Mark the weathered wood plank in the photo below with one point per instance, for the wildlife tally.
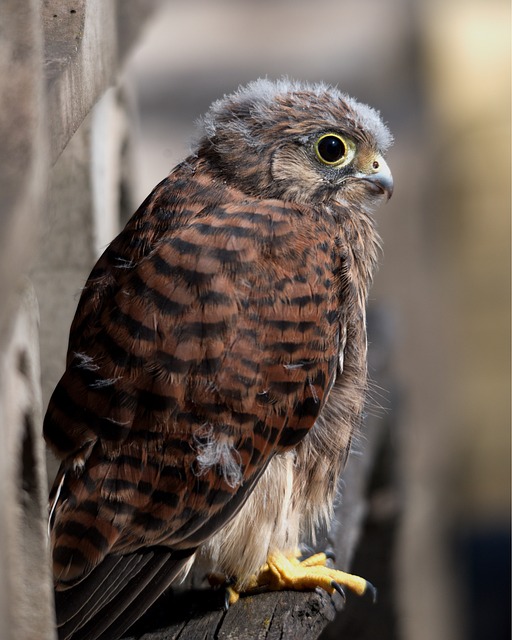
(200, 615)
(26, 592)
(22, 149)
(81, 62)
(45, 93)
(85, 42)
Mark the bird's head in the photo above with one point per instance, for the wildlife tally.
(297, 142)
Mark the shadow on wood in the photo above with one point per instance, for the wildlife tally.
(200, 615)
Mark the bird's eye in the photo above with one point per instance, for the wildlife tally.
(332, 149)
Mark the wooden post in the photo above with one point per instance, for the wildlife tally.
(25, 588)
(57, 60)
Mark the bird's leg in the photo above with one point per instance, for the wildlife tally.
(282, 572)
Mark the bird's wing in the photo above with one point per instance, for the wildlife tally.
(205, 341)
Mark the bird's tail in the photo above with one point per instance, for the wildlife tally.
(117, 592)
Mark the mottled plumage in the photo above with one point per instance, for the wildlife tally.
(217, 361)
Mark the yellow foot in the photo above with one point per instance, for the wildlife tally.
(232, 596)
(288, 572)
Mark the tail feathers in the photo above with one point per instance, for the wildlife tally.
(116, 593)
(81, 597)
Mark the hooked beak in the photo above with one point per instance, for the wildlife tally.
(379, 177)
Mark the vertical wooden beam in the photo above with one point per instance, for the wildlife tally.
(73, 47)
(26, 607)
(22, 144)
(26, 592)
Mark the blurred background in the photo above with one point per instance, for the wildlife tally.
(439, 73)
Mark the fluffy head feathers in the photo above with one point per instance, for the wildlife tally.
(262, 138)
(250, 108)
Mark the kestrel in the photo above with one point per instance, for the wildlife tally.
(216, 369)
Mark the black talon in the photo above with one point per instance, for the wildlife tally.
(372, 591)
(226, 600)
(305, 553)
(330, 555)
(337, 587)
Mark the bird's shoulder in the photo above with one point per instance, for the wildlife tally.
(205, 223)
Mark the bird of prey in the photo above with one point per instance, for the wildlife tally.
(216, 369)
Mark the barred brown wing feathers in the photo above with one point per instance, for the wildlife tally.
(189, 367)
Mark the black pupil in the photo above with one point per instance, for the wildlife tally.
(331, 149)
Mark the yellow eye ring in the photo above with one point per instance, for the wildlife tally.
(334, 150)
